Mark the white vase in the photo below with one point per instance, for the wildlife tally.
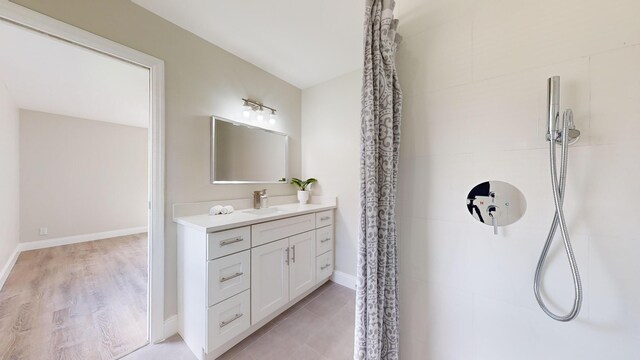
(303, 196)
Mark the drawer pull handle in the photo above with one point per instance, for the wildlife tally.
(324, 266)
(227, 278)
(227, 322)
(325, 240)
(325, 218)
(293, 256)
(230, 241)
(286, 259)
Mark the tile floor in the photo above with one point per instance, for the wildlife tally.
(319, 327)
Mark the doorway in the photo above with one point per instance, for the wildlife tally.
(17, 16)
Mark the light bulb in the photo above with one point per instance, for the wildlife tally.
(246, 110)
(260, 114)
(273, 117)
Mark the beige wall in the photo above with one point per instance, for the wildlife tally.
(201, 80)
(80, 176)
(9, 176)
(330, 152)
(474, 79)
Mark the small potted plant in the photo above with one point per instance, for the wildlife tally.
(303, 193)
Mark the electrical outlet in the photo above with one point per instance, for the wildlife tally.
(44, 231)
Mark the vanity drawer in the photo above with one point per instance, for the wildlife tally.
(324, 239)
(324, 266)
(228, 242)
(280, 229)
(227, 320)
(228, 276)
(324, 218)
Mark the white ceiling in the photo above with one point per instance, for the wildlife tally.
(49, 75)
(303, 42)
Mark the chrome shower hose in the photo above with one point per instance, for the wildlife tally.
(558, 185)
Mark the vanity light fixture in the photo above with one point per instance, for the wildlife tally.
(250, 106)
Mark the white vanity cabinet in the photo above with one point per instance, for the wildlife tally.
(233, 280)
(283, 270)
(214, 280)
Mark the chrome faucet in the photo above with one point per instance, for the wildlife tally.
(260, 199)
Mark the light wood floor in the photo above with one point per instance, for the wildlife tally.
(82, 301)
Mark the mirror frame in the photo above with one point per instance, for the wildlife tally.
(213, 154)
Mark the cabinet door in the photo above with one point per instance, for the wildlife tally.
(228, 276)
(324, 266)
(324, 218)
(227, 320)
(223, 243)
(269, 278)
(324, 240)
(302, 269)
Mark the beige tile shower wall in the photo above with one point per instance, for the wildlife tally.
(200, 80)
(474, 82)
(80, 176)
(331, 148)
(9, 176)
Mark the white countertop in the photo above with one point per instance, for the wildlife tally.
(211, 223)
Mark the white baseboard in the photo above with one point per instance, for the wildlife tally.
(344, 279)
(171, 326)
(6, 269)
(42, 244)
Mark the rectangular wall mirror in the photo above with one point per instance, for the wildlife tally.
(244, 154)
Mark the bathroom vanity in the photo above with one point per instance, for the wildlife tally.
(237, 272)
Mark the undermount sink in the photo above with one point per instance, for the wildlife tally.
(264, 211)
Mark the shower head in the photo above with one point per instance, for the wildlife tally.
(573, 137)
(573, 134)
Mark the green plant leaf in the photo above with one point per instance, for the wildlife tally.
(302, 185)
(298, 183)
(308, 182)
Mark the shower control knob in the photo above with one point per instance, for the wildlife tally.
(493, 214)
(496, 203)
(492, 210)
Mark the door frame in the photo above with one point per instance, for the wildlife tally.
(22, 16)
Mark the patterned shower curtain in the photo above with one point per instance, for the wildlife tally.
(377, 314)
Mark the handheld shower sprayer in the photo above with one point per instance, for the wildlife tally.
(559, 132)
(553, 106)
(554, 126)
